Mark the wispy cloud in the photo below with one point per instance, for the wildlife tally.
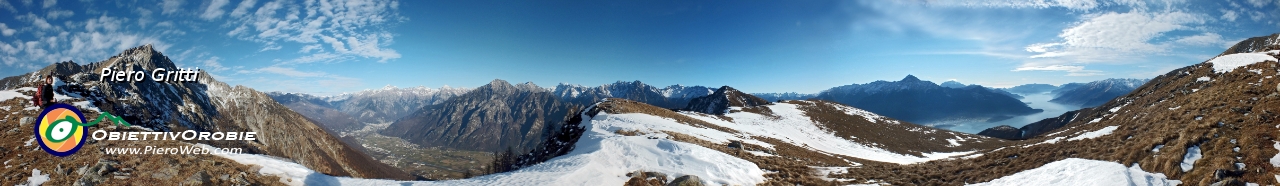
(350, 28)
(1071, 70)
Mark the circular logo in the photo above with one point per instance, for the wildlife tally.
(61, 130)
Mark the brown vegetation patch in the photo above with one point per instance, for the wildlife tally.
(623, 106)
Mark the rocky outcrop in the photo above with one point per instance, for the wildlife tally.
(720, 101)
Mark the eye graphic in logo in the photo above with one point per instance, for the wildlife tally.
(61, 130)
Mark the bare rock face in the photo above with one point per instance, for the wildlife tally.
(720, 101)
(492, 117)
(208, 105)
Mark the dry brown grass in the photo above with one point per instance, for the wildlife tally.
(127, 169)
(623, 106)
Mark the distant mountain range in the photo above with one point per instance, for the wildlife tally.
(784, 96)
(674, 96)
(1095, 93)
(490, 118)
(1028, 89)
(349, 111)
(924, 102)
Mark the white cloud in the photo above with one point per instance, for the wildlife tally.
(1257, 16)
(284, 71)
(322, 57)
(5, 5)
(311, 47)
(56, 14)
(37, 21)
(1100, 36)
(349, 28)
(214, 10)
(171, 6)
(213, 64)
(50, 3)
(270, 47)
(6, 31)
(1229, 15)
(1258, 3)
(243, 8)
(1205, 39)
(1076, 5)
(1071, 70)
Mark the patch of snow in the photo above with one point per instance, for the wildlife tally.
(953, 142)
(1175, 108)
(1205, 78)
(1226, 63)
(1095, 134)
(826, 172)
(1075, 171)
(1157, 148)
(1189, 160)
(1275, 160)
(1240, 166)
(758, 153)
(1051, 141)
(6, 95)
(1095, 120)
(33, 139)
(36, 178)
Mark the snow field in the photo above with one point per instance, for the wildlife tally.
(1075, 171)
(1226, 63)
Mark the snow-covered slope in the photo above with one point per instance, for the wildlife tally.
(626, 136)
(1075, 171)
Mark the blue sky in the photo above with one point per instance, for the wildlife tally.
(326, 48)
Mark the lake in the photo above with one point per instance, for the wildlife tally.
(1037, 101)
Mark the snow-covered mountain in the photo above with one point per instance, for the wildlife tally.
(490, 118)
(383, 105)
(392, 103)
(1029, 89)
(674, 96)
(783, 96)
(1097, 92)
(952, 84)
(923, 102)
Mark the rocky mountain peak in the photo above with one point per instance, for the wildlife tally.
(910, 78)
(724, 98)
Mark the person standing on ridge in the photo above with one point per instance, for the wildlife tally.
(44, 94)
